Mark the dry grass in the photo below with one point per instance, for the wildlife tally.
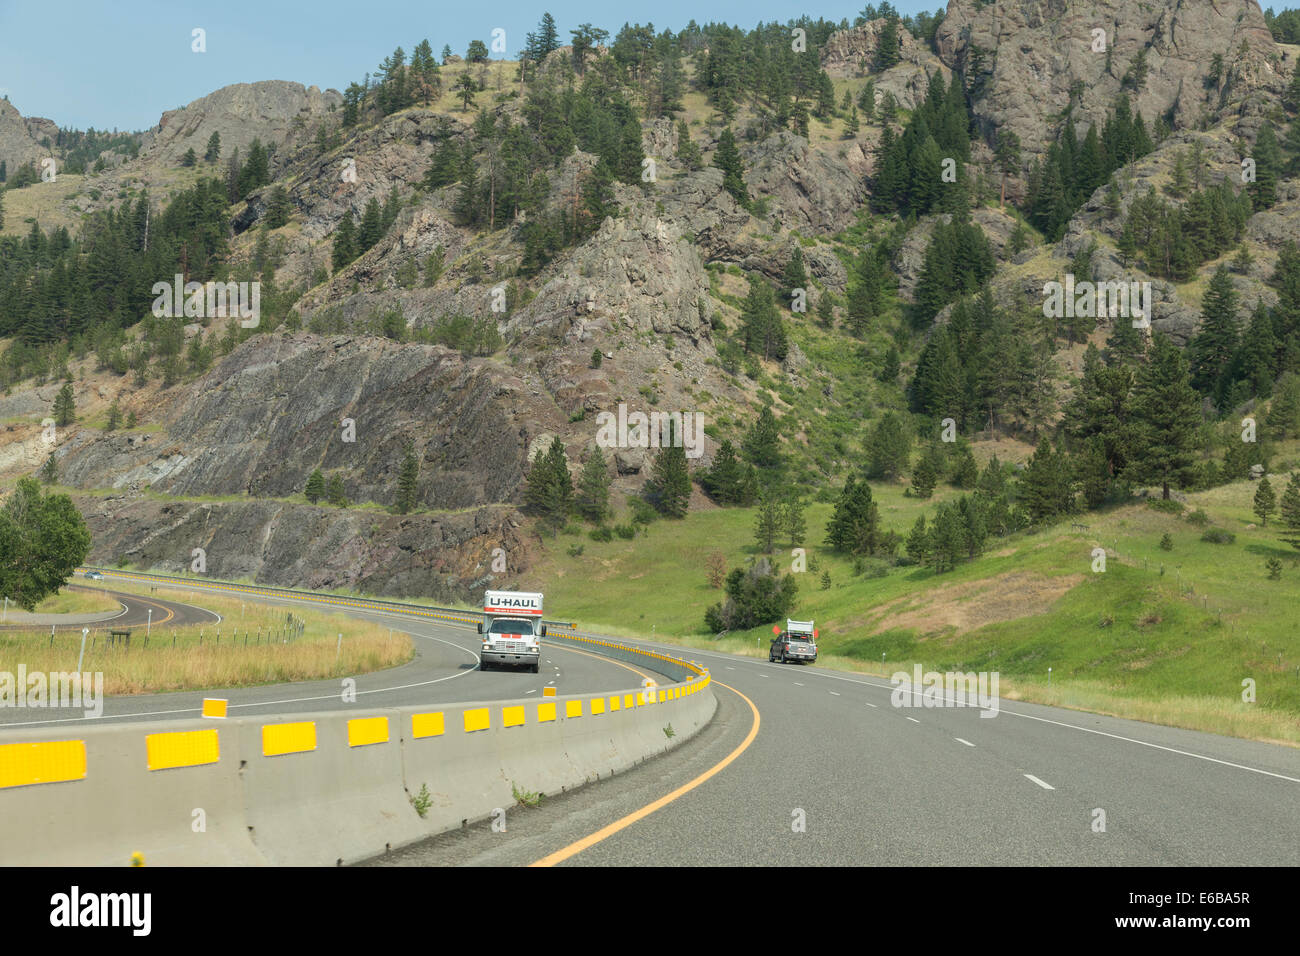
(250, 646)
(77, 602)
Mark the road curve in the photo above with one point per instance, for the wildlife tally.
(805, 766)
(445, 670)
(835, 775)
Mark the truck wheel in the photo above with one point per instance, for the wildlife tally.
(536, 668)
(483, 665)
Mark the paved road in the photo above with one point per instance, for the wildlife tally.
(806, 766)
(135, 612)
(445, 670)
(879, 785)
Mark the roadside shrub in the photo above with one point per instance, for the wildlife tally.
(1170, 507)
(1199, 518)
(1218, 536)
(603, 533)
(625, 531)
(1166, 542)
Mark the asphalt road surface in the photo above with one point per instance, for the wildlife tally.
(445, 670)
(804, 766)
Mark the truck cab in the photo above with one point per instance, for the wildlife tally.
(511, 629)
(798, 642)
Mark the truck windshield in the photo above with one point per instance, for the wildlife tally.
(511, 626)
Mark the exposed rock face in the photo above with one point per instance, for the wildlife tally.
(1034, 52)
(446, 557)
(240, 113)
(851, 53)
(273, 411)
(637, 273)
(20, 137)
(810, 190)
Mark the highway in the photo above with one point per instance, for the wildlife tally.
(806, 766)
(446, 657)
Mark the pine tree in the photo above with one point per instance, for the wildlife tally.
(867, 101)
(1166, 419)
(1291, 512)
(918, 541)
(762, 330)
(727, 158)
(49, 473)
(335, 493)
(65, 407)
(688, 153)
(407, 478)
(729, 481)
(1215, 344)
(669, 487)
(114, 417)
(465, 88)
(924, 477)
(315, 489)
(345, 242)
(855, 524)
(1265, 501)
(887, 54)
(372, 226)
(592, 498)
(767, 524)
(190, 159)
(1268, 167)
(762, 442)
(213, 151)
(793, 522)
(277, 208)
(889, 448)
(1046, 485)
(548, 487)
(794, 277)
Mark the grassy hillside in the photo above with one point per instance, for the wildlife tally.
(1167, 636)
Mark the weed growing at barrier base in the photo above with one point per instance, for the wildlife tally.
(525, 798)
(669, 732)
(422, 801)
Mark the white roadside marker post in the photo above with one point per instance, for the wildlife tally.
(84, 632)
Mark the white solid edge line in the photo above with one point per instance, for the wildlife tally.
(913, 720)
(966, 742)
(1042, 783)
(1046, 720)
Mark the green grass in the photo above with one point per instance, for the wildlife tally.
(1172, 648)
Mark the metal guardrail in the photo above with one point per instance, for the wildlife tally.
(454, 614)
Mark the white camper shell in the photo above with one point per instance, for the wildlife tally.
(798, 642)
(512, 628)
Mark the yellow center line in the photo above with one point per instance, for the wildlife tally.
(573, 849)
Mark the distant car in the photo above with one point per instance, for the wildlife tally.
(94, 575)
(794, 645)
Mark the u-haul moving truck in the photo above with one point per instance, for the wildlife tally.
(511, 628)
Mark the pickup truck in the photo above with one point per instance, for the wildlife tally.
(798, 642)
(511, 628)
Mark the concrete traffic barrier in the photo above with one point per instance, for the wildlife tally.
(317, 789)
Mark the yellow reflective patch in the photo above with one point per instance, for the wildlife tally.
(186, 748)
(294, 738)
(49, 761)
(367, 730)
(426, 725)
(512, 716)
(479, 718)
(573, 708)
(545, 712)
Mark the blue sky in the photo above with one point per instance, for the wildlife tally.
(121, 63)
